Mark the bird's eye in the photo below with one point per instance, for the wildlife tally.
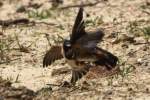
(68, 44)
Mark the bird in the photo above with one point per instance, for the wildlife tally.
(81, 51)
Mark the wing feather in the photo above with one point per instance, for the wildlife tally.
(91, 39)
(53, 54)
(106, 58)
(78, 28)
(84, 48)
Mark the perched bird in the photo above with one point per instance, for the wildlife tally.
(81, 51)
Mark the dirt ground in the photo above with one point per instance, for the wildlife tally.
(126, 24)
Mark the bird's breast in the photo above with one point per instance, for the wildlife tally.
(75, 64)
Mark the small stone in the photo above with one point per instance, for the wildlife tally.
(145, 64)
(139, 60)
(34, 5)
(147, 90)
(109, 92)
(21, 9)
(1, 33)
(124, 46)
(1, 4)
(113, 35)
(130, 89)
(140, 40)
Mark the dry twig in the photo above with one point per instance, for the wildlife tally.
(80, 5)
(7, 23)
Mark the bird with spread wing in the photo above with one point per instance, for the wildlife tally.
(81, 50)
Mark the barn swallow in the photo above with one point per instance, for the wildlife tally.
(81, 51)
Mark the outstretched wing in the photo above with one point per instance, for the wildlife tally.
(82, 42)
(53, 54)
(84, 48)
(91, 39)
(97, 55)
(78, 28)
(106, 59)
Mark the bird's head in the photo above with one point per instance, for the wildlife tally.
(67, 47)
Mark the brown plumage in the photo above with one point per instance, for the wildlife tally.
(81, 50)
(53, 54)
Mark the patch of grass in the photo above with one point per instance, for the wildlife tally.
(21, 47)
(146, 31)
(5, 43)
(137, 30)
(47, 13)
(146, 5)
(57, 39)
(61, 27)
(94, 22)
(4, 82)
(133, 28)
(44, 92)
(10, 79)
(39, 14)
(126, 68)
(125, 71)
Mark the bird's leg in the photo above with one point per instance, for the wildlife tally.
(78, 74)
(74, 78)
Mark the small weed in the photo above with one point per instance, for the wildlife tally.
(124, 73)
(39, 14)
(146, 32)
(126, 69)
(61, 27)
(21, 47)
(146, 5)
(94, 22)
(110, 81)
(9, 78)
(133, 28)
(17, 79)
(5, 44)
(57, 39)
(137, 30)
(45, 91)
(47, 37)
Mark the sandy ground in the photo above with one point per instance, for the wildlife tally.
(116, 17)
